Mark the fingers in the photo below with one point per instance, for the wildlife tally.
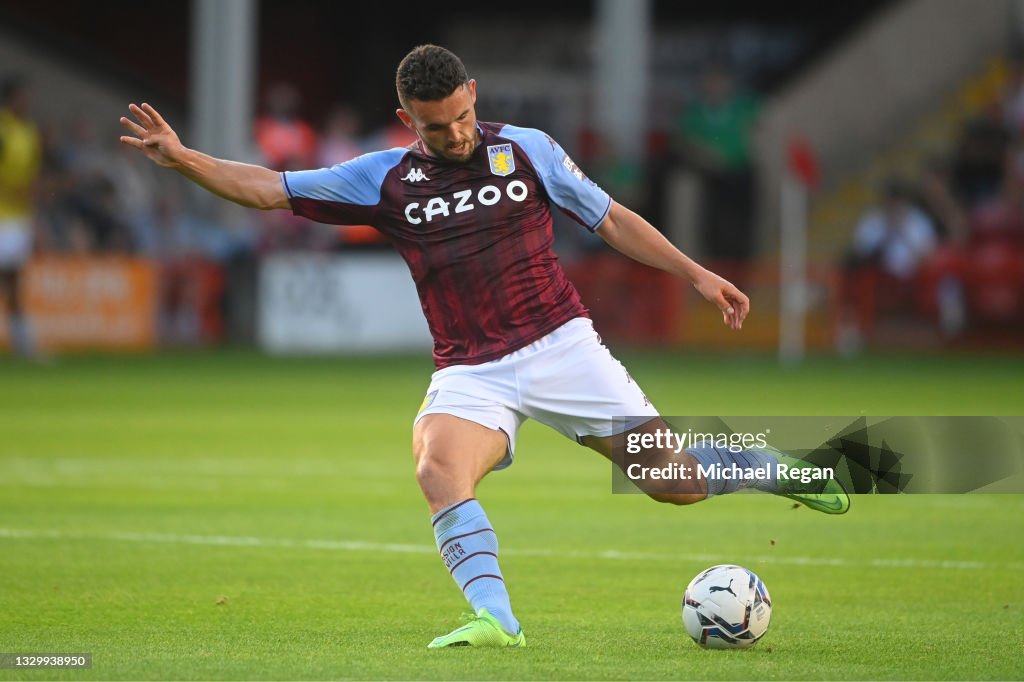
(133, 127)
(156, 117)
(734, 305)
(132, 141)
(744, 309)
(728, 309)
(142, 116)
(741, 304)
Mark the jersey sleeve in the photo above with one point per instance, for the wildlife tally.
(345, 194)
(568, 188)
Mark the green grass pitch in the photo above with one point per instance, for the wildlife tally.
(227, 516)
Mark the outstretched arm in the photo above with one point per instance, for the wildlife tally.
(633, 236)
(242, 183)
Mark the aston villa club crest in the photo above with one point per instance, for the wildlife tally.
(427, 400)
(501, 159)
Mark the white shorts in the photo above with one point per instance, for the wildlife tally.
(15, 243)
(567, 380)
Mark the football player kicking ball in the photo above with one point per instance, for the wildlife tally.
(468, 206)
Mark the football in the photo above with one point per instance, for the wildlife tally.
(726, 607)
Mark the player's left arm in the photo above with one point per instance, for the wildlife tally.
(633, 236)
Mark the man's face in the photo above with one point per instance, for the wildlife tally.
(446, 127)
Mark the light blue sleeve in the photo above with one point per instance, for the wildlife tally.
(566, 185)
(356, 182)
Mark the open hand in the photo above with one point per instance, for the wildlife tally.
(733, 303)
(152, 136)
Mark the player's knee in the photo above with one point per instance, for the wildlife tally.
(426, 467)
(676, 498)
(432, 468)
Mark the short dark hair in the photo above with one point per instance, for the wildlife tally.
(429, 73)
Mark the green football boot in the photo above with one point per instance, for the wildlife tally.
(824, 495)
(483, 630)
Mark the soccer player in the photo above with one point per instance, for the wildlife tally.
(468, 206)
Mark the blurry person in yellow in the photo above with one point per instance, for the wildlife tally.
(20, 161)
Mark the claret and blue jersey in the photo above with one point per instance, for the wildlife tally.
(477, 236)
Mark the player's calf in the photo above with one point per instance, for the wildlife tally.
(678, 499)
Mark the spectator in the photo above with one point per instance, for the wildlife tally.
(394, 134)
(90, 205)
(20, 162)
(180, 244)
(890, 244)
(137, 189)
(978, 163)
(715, 133)
(286, 141)
(94, 202)
(340, 140)
(1002, 217)
(896, 236)
(981, 278)
(938, 200)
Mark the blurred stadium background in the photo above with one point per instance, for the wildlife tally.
(208, 475)
(771, 143)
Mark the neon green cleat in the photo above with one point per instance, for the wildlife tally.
(483, 630)
(824, 495)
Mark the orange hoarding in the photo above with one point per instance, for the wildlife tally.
(78, 303)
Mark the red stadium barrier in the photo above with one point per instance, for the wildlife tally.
(630, 302)
(119, 303)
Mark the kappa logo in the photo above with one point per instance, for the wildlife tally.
(501, 159)
(415, 175)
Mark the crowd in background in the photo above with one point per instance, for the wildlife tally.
(931, 244)
(286, 141)
(81, 192)
(948, 243)
(93, 195)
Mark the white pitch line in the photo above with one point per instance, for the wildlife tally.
(610, 554)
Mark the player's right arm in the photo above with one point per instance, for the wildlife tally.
(242, 183)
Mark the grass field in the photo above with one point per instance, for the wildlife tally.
(228, 516)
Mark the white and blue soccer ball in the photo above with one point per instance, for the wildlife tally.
(726, 607)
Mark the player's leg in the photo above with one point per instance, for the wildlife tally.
(679, 492)
(578, 388)
(824, 495)
(452, 456)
